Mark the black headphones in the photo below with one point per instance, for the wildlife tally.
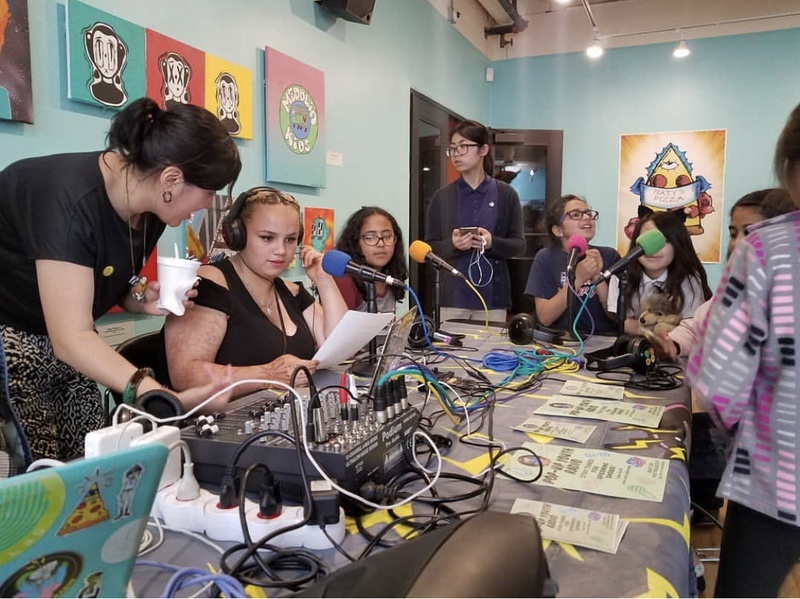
(234, 231)
(628, 351)
(416, 335)
(160, 403)
(522, 330)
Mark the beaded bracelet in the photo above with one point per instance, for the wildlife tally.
(129, 394)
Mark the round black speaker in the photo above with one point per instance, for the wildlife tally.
(523, 330)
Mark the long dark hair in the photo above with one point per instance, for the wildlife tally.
(350, 237)
(684, 265)
(186, 136)
(475, 132)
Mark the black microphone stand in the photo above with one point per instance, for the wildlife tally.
(436, 315)
(569, 336)
(622, 307)
(366, 366)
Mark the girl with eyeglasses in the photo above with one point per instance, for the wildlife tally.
(547, 282)
(475, 223)
(371, 236)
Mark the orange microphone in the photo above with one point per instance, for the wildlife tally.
(421, 252)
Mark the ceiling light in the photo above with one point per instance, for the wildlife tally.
(595, 50)
(681, 50)
(563, 1)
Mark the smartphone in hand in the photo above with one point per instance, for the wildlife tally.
(468, 230)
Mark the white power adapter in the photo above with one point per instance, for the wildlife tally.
(112, 438)
(169, 436)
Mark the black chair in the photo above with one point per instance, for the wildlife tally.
(142, 351)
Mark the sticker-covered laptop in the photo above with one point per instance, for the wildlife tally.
(74, 530)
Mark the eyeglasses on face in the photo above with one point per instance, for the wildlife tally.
(579, 214)
(459, 150)
(374, 238)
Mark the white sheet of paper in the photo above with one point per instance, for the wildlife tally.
(353, 332)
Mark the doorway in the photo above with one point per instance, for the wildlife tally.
(529, 160)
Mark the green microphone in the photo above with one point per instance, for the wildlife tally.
(647, 244)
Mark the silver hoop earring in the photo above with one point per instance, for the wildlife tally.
(166, 196)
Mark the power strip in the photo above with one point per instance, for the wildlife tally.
(204, 516)
(131, 434)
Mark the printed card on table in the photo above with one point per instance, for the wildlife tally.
(586, 528)
(591, 470)
(602, 409)
(586, 389)
(579, 433)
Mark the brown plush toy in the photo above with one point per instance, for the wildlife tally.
(658, 314)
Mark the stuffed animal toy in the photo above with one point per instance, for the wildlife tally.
(658, 315)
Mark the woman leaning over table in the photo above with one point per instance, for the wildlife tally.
(75, 230)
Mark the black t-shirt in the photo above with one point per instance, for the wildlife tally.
(56, 208)
(251, 338)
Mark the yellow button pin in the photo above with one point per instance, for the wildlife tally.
(108, 271)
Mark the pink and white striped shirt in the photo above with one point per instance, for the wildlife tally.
(744, 368)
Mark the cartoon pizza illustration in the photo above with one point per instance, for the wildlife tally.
(671, 185)
(90, 511)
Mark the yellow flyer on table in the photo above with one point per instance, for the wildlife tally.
(592, 470)
(587, 528)
(602, 409)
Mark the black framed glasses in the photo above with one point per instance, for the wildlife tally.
(459, 150)
(579, 214)
(374, 238)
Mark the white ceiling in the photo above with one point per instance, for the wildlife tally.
(554, 28)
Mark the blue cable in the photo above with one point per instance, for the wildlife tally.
(185, 577)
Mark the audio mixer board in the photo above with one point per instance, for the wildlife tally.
(351, 451)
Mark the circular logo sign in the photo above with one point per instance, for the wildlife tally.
(299, 120)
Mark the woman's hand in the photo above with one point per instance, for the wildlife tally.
(196, 395)
(481, 239)
(589, 268)
(311, 260)
(281, 369)
(151, 293)
(462, 241)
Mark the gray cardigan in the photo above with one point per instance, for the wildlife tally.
(507, 238)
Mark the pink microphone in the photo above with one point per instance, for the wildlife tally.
(576, 246)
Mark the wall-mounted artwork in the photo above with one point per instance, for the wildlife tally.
(105, 57)
(682, 171)
(175, 71)
(318, 227)
(16, 98)
(229, 95)
(295, 119)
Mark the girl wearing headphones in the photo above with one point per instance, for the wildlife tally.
(245, 314)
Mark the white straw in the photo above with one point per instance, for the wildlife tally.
(177, 253)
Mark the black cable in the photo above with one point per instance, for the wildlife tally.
(293, 559)
(707, 514)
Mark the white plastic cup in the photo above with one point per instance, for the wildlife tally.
(176, 276)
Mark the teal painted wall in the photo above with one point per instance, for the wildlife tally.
(746, 84)
(369, 74)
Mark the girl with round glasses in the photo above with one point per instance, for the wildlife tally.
(372, 236)
(547, 282)
(475, 223)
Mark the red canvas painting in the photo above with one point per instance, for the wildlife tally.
(175, 71)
